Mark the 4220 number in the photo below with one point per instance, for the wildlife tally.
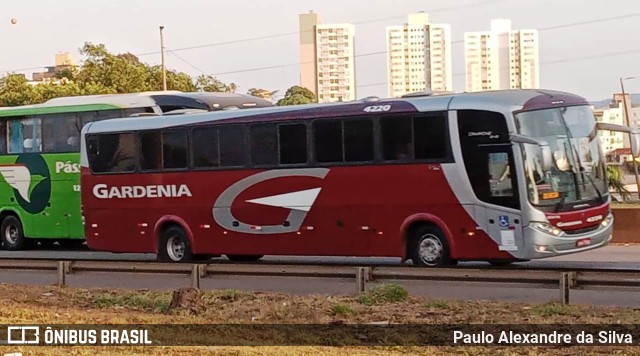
(377, 108)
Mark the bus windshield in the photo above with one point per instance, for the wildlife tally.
(579, 172)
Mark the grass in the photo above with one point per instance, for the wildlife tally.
(437, 304)
(139, 301)
(553, 309)
(342, 310)
(387, 303)
(386, 293)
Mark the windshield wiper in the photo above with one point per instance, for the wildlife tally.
(595, 186)
(560, 204)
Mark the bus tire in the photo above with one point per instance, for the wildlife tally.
(174, 246)
(428, 247)
(13, 237)
(244, 258)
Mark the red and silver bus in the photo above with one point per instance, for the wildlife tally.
(493, 176)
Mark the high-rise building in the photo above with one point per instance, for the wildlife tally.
(308, 23)
(501, 58)
(335, 65)
(418, 56)
(327, 59)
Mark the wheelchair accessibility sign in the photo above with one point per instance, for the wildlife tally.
(503, 220)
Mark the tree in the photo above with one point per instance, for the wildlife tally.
(15, 90)
(103, 72)
(122, 73)
(297, 95)
(262, 93)
(175, 80)
(614, 176)
(212, 84)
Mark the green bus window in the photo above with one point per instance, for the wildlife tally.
(25, 135)
(60, 133)
(3, 138)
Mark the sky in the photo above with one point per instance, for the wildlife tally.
(580, 51)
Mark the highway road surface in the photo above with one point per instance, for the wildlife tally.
(613, 256)
(609, 257)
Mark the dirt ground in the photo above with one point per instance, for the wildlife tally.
(388, 304)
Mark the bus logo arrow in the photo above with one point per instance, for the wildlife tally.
(301, 200)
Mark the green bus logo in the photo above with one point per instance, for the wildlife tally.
(31, 182)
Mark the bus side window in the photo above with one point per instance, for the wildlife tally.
(174, 149)
(264, 144)
(92, 148)
(327, 137)
(397, 138)
(150, 150)
(430, 137)
(113, 153)
(3, 137)
(25, 135)
(232, 146)
(293, 143)
(358, 140)
(205, 147)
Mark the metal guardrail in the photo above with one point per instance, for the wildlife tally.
(562, 280)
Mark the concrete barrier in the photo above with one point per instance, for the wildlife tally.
(627, 225)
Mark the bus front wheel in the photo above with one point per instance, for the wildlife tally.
(12, 234)
(174, 246)
(428, 247)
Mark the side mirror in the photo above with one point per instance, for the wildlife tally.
(546, 157)
(634, 138)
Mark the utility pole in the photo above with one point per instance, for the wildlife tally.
(164, 69)
(626, 115)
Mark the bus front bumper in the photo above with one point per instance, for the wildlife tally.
(541, 245)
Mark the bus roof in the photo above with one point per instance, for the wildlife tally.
(166, 100)
(81, 104)
(210, 101)
(505, 100)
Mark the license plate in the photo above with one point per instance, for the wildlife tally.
(583, 242)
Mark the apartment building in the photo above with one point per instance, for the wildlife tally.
(327, 59)
(335, 62)
(62, 61)
(614, 114)
(502, 58)
(418, 56)
(307, 26)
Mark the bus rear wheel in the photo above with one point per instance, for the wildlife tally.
(174, 246)
(244, 258)
(13, 237)
(428, 247)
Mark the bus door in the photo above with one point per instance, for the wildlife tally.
(489, 163)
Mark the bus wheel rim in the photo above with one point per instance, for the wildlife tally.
(11, 234)
(430, 249)
(175, 248)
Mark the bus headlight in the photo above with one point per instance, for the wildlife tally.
(607, 220)
(546, 228)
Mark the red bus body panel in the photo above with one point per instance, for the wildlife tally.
(359, 211)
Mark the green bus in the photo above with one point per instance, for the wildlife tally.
(40, 159)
